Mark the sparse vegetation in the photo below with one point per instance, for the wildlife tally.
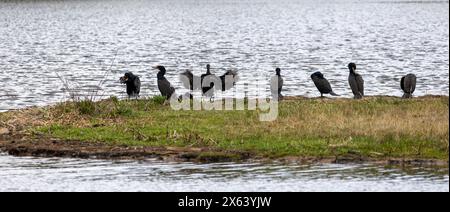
(376, 127)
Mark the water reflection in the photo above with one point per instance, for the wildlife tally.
(54, 174)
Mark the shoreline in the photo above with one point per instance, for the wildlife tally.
(35, 132)
(47, 147)
(285, 98)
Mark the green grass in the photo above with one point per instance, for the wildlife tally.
(376, 127)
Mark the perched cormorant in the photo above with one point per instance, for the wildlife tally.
(276, 84)
(192, 82)
(163, 84)
(207, 89)
(322, 84)
(133, 84)
(408, 85)
(356, 82)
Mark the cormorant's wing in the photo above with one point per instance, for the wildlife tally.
(276, 84)
(322, 84)
(137, 85)
(228, 80)
(187, 79)
(190, 81)
(354, 85)
(413, 84)
(165, 88)
(410, 83)
(402, 84)
(280, 84)
(360, 84)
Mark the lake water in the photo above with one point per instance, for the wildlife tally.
(84, 42)
(55, 174)
(47, 47)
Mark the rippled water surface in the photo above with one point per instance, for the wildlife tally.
(38, 174)
(84, 42)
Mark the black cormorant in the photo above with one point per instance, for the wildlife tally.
(356, 82)
(408, 85)
(133, 84)
(164, 85)
(276, 84)
(322, 84)
(208, 85)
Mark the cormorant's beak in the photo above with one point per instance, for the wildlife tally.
(155, 67)
(123, 79)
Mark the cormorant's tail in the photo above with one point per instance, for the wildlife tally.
(407, 96)
(333, 94)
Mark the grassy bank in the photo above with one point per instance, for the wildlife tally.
(375, 128)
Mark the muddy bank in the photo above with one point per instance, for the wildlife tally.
(48, 147)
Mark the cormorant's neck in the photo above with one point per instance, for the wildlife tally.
(208, 69)
(161, 74)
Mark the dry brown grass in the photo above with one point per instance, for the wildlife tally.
(423, 117)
